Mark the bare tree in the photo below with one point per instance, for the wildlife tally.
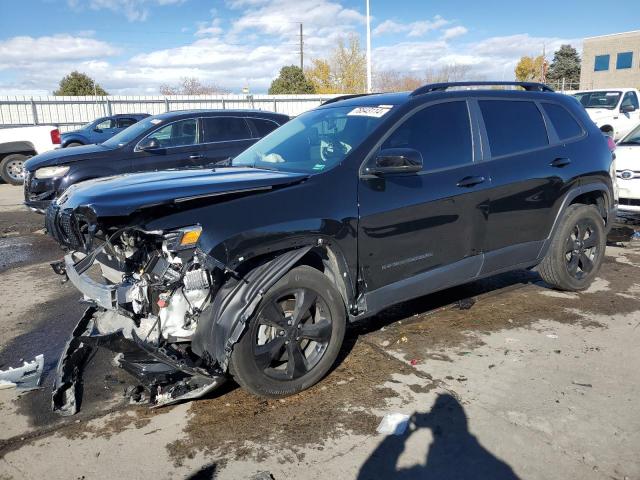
(394, 81)
(191, 86)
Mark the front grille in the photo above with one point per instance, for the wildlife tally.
(63, 226)
(27, 184)
(629, 201)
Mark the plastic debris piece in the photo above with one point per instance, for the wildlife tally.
(26, 377)
(414, 361)
(465, 303)
(393, 424)
(262, 476)
(552, 335)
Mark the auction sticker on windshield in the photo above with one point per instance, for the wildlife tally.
(377, 112)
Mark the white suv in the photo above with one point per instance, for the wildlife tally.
(616, 111)
(628, 174)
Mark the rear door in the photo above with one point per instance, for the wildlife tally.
(224, 137)
(421, 224)
(179, 147)
(531, 169)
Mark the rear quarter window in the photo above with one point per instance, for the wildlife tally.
(513, 126)
(565, 125)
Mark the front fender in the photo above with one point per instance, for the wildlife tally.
(66, 140)
(223, 322)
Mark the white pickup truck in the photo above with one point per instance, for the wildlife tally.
(616, 110)
(19, 143)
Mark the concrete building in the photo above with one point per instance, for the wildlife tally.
(611, 61)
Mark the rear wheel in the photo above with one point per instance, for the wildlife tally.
(12, 168)
(294, 338)
(576, 251)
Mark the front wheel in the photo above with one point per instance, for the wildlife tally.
(73, 144)
(12, 168)
(294, 338)
(576, 251)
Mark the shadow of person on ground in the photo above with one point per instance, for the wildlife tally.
(454, 454)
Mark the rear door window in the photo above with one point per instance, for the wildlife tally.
(566, 126)
(513, 126)
(262, 127)
(225, 129)
(441, 133)
(125, 122)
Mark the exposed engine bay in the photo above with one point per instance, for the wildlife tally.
(171, 312)
(147, 291)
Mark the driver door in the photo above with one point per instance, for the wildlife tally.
(423, 231)
(628, 120)
(178, 147)
(103, 130)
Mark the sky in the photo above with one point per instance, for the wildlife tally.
(131, 47)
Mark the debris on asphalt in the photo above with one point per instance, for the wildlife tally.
(26, 377)
(582, 384)
(465, 303)
(414, 361)
(262, 476)
(393, 424)
(552, 335)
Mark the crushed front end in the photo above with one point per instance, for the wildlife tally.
(147, 291)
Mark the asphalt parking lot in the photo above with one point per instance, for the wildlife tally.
(502, 378)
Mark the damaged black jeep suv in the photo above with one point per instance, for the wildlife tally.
(253, 269)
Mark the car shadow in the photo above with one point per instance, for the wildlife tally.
(453, 454)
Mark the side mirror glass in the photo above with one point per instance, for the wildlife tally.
(627, 109)
(396, 161)
(97, 130)
(149, 144)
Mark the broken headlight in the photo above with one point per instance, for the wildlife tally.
(182, 239)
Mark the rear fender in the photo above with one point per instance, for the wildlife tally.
(223, 322)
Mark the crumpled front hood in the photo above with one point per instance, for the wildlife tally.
(62, 156)
(124, 194)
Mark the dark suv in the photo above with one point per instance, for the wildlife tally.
(180, 139)
(254, 269)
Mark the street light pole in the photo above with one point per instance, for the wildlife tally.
(368, 49)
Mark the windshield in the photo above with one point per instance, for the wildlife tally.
(603, 99)
(633, 138)
(132, 132)
(315, 141)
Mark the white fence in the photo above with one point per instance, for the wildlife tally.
(70, 112)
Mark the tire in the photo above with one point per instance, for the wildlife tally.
(73, 144)
(576, 251)
(266, 361)
(11, 168)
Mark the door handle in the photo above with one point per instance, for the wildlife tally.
(470, 181)
(560, 162)
(196, 157)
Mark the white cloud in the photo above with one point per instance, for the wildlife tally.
(454, 32)
(134, 10)
(494, 58)
(210, 29)
(24, 50)
(413, 29)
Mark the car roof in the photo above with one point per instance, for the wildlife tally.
(616, 89)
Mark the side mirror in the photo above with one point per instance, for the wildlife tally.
(627, 109)
(149, 144)
(396, 160)
(97, 130)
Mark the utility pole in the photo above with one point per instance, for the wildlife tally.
(368, 49)
(301, 49)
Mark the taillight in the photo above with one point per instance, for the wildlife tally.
(611, 143)
(55, 136)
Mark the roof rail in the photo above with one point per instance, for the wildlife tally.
(345, 97)
(441, 87)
